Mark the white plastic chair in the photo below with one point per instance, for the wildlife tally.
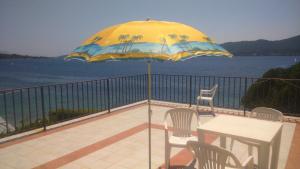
(213, 157)
(181, 130)
(262, 113)
(207, 95)
(265, 113)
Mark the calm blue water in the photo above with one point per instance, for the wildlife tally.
(32, 72)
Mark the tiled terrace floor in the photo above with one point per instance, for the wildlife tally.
(116, 141)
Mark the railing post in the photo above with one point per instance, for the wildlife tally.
(108, 95)
(14, 108)
(5, 112)
(190, 91)
(43, 108)
(245, 90)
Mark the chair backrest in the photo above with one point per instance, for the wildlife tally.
(181, 121)
(213, 90)
(265, 113)
(213, 157)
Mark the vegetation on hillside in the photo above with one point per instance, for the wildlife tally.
(17, 56)
(279, 88)
(53, 118)
(285, 47)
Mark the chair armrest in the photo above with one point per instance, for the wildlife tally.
(205, 92)
(166, 125)
(165, 121)
(166, 135)
(248, 163)
(166, 128)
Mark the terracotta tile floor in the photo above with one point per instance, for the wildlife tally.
(115, 141)
(294, 155)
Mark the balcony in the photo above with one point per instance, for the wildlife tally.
(40, 129)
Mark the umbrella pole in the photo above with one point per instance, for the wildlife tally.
(149, 111)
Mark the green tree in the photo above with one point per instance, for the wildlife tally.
(279, 88)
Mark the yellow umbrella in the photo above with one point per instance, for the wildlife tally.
(148, 40)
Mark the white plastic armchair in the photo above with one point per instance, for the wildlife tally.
(181, 130)
(262, 113)
(207, 95)
(265, 113)
(213, 157)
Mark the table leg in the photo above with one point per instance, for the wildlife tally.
(275, 150)
(223, 141)
(263, 155)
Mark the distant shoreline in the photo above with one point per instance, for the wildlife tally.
(261, 47)
(17, 56)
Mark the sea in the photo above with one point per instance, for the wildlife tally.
(26, 106)
(19, 73)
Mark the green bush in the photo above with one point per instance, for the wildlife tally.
(278, 93)
(54, 117)
(63, 114)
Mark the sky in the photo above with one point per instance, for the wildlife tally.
(56, 27)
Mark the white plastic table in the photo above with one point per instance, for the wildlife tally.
(266, 133)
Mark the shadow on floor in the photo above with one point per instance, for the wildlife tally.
(203, 113)
(190, 166)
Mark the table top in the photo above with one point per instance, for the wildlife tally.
(249, 128)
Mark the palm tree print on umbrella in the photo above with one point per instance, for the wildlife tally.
(181, 41)
(208, 40)
(164, 42)
(127, 42)
(133, 40)
(86, 51)
(184, 42)
(96, 39)
(124, 41)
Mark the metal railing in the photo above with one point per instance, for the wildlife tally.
(28, 108)
(233, 92)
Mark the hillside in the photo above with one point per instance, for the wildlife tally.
(17, 56)
(285, 47)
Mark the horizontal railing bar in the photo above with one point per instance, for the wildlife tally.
(68, 83)
(194, 75)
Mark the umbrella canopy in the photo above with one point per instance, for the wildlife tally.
(151, 39)
(148, 40)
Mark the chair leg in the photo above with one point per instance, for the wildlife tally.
(211, 106)
(250, 150)
(231, 144)
(167, 156)
(197, 109)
